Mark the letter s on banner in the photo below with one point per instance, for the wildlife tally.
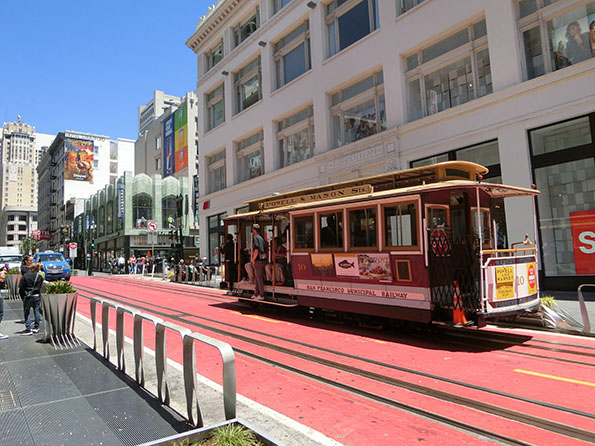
(582, 227)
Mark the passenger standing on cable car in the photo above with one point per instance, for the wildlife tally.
(257, 262)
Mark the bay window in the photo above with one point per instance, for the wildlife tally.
(555, 38)
(348, 21)
(296, 137)
(215, 108)
(449, 73)
(248, 85)
(249, 153)
(292, 55)
(358, 111)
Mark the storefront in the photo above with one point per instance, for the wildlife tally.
(563, 161)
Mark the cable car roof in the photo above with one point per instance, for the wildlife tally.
(447, 175)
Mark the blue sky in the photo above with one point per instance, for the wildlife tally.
(87, 66)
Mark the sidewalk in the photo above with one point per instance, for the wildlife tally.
(568, 301)
(71, 397)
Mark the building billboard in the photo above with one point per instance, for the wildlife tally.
(181, 137)
(168, 146)
(78, 159)
(582, 227)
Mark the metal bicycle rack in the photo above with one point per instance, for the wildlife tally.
(189, 356)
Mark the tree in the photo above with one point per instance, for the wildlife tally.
(28, 245)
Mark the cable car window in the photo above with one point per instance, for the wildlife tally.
(437, 217)
(485, 225)
(304, 232)
(362, 228)
(331, 230)
(400, 225)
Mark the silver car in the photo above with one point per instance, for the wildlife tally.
(10, 261)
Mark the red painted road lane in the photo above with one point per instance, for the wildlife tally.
(418, 357)
(352, 420)
(354, 341)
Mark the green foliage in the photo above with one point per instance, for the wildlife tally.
(548, 301)
(14, 271)
(28, 245)
(233, 435)
(60, 287)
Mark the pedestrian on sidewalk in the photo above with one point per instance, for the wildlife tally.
(30, 292)
(2, 285)
(26, 263)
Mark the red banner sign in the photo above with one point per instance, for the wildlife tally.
(39, 234)
(582, 226)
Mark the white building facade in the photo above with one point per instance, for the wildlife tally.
(296, 94)
(74, 167)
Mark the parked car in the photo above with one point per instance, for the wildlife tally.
(10, 261)
(54, 264)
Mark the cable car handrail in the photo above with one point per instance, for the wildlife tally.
(512, 250)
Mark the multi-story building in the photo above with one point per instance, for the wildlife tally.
(148, 113)
(169, 146)
(296, 94)
(16, 224)
(75, 166)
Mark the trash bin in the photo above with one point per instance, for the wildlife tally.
(59, 313)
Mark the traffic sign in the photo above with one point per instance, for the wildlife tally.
(152, 226)
(73, 245)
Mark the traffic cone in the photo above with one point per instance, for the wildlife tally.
(458, 314)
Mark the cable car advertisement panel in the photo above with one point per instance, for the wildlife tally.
(510, 278)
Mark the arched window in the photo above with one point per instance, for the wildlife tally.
(142, 210)
(169, 211)
(110, 217)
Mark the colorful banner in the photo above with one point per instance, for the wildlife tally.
(582, 227)
(168, 146)
(78, 159)
(181, 137)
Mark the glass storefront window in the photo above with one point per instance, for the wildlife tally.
(565, 135)
(565, 188)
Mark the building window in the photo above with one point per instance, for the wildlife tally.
(295, 135)
(279, 4)
(169, 212)
(11, 227)
(248, 85)
(358, 111)
(552, 39)
(215, 108)
(563, 159)
(249, 153)
(158, 164)
(215, 56)
(157, 144)
(216, 168)
(348, 21)
(110, 217)
(101, 220)
(246, 28)
(405, 5)
(142, 210)
(292, 55)
(10, 237)
(464, 74)
(11, 218)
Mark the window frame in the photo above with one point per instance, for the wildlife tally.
(287, 47)
(211, 55)
(293, 234)
(277, 5)
(405, 201)
(359, 207)
(284, 134)
(318, 242)
(402, 9)
(471, 49)
(241, 78)
(212, 99)
(243, 154)
(376, 92)
(213, 165)
(540, 19)
(237, 30)
(334, 12)
(487, 241)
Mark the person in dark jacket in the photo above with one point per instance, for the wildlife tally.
(30, 292)
(26, 263)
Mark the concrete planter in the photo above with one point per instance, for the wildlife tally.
(59, 312)
(12, 285)
(197, 435)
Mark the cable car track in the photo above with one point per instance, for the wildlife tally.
(334, 364)
(478, 338)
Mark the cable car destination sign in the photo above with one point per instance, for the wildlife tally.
(317, 196)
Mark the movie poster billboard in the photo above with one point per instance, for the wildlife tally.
(78, 159)
(181, 137)
(168, 146)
